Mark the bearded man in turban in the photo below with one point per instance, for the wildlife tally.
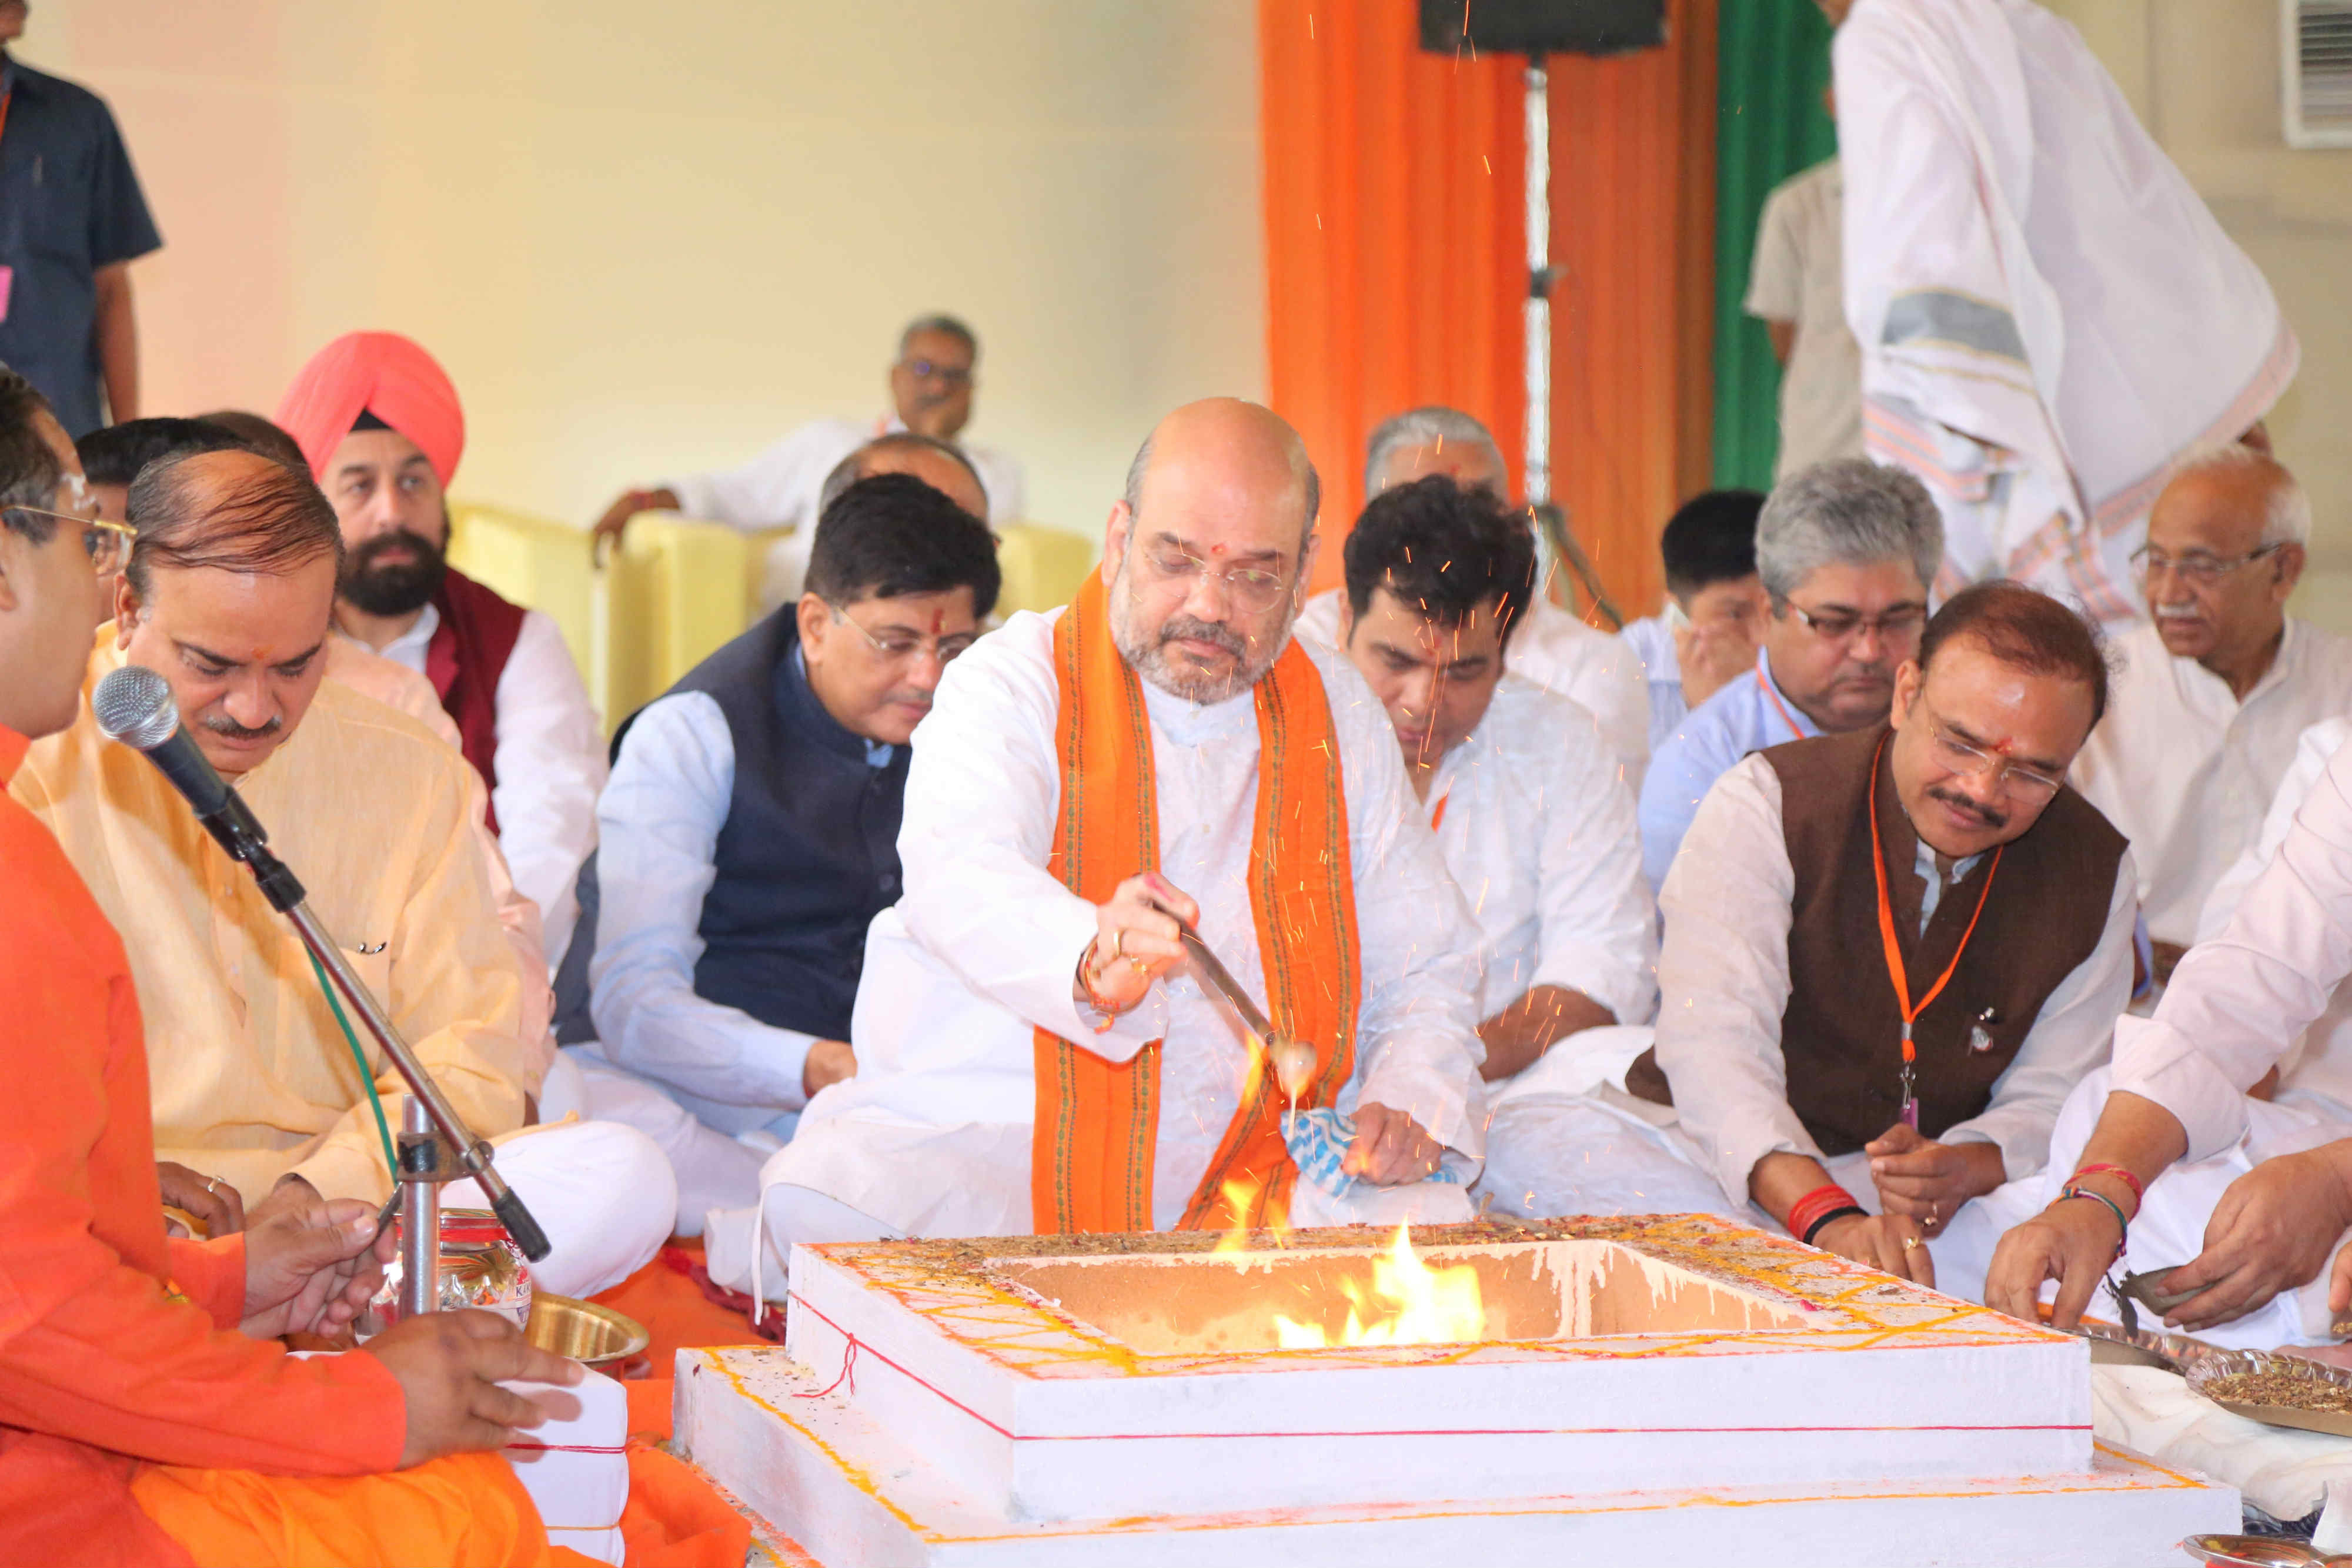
(382, 429)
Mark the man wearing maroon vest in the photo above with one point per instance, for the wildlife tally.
(1935, 869)
(382, 429)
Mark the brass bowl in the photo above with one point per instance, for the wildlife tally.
(597, 1336)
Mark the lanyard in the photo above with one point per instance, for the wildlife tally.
(1778, 705)
(1894, 970)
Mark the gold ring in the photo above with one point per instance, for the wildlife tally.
(1141, 968)
(1909, 1242)
(1118, 943)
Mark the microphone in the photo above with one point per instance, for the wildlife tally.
(134, 705)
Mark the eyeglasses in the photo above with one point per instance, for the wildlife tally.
(2196, 567)
(1958, 755)
(1253, 588)
(107, 542)
(926, 370)
(899, 648)
(1897, 624)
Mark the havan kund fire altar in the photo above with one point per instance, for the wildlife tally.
(1099, 1387)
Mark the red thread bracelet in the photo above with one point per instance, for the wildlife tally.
(2139, 1195)
(1816, 1203)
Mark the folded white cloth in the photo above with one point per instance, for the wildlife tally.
(2284, 1472)
(576, 1467)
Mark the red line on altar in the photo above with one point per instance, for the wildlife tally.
(858, 1347)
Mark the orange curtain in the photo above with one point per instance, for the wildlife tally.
(1633, 236)
(1396, 258)
(1395, 250)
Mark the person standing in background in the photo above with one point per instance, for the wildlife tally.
(1796, 286)
(72, 220)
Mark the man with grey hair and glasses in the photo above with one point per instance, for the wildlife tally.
(1846, 550)
(2214, 690)
(1551, 647)
(932, 381)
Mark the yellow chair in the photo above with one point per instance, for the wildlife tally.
(678, 589)
(1042, 566)
(674, 593)
(537, 563)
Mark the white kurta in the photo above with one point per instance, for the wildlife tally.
(2185, 771)
(932, 1137)
(1538, 832)
(2011, 234)
(781, 486)
(1558, 653)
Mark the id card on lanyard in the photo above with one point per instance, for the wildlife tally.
(1896, 974)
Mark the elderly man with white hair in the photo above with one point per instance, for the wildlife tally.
(1552, 648)
(1845, 550)
(2212, 694)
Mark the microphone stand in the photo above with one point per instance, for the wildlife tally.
(435, 1144)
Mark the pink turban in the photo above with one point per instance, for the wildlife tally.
(385, 374)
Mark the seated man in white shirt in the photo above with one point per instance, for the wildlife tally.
(1553, 648)
(2231, 1109)
(1845, 550)
(931, 385)
(1036, 1052)
(2212, 694)
(750, 836)
(1534, 823)
(383, 431)
(1706, 636)
(1889, 955)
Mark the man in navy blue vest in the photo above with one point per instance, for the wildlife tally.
(750, 834)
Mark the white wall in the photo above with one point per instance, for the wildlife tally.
(646, 238)
(2203, 76)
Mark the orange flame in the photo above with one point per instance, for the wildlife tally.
(1409, 1303)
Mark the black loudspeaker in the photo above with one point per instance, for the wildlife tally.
(1542, 27)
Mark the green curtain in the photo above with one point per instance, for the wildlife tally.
(1772, 63)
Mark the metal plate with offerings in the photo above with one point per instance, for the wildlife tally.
(2277, 1390)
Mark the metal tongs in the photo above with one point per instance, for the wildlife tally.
(1294, 1062)
(2148, 1291)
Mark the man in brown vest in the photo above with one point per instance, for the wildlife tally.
(1935, 870)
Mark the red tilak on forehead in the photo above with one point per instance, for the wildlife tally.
(939, 620)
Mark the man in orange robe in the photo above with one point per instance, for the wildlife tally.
(146, 1413)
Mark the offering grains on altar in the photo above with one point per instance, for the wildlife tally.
(2279, 1386)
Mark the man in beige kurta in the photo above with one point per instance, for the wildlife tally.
(253, 1081)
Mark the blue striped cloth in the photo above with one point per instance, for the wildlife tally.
(1319, 1140)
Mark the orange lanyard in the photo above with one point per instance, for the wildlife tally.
(1437, 817)
(1894, 970)
(1778, 705)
